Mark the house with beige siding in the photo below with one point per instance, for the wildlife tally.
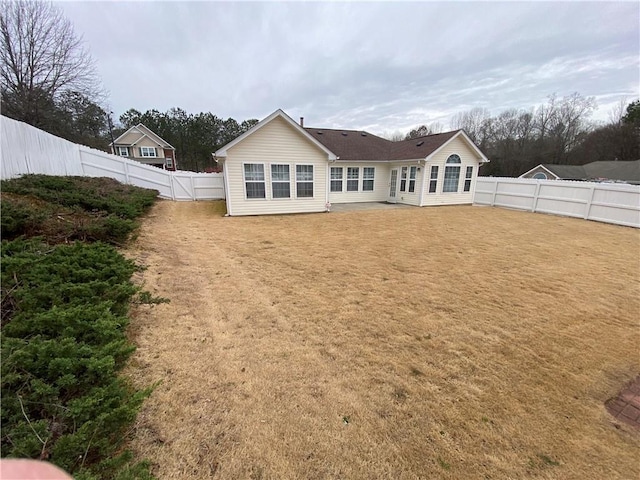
(279, 166)
(141, 144)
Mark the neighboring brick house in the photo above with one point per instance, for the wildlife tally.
(139, 143)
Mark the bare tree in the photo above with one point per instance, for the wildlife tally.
(617, 112)
(474, 122)
(424, 130)
(41, 58)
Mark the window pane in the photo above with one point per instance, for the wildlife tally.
(336, 185)
(368, 173)
(403, 179)
(453, 159)
(412, 174)
(280, 173)
(304, 173)
(304, 189)
(352, 185)
(412, 186)
(280, 189)
(451, 178)
(336, 173)
(353, 173)
(255, 189)
(254, 172)
(467, 180)
(434, 179)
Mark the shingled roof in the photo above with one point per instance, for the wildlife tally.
(628, 171)
(357, 145)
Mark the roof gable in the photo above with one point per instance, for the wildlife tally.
(144, 132)
(222, 152)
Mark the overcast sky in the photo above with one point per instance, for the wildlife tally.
(379, 66)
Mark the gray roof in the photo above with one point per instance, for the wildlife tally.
(609, 170)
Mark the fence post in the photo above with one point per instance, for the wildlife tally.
(589, 202)
(495, 192)
(193, 187)
(126, 171)
(171, 186)
(536, 194)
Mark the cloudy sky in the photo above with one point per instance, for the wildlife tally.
(378, 66)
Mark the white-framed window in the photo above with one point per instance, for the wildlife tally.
(148, 152)
(280, 181)
(467, 178)
(433, 180)
(540, 176)
(368, 177)
(403, 179)
(254, 180)
(451, 174)
(123, 151)
(353, 176)
(412, 179)
(304, 181)
(168, 162)
(336, 179)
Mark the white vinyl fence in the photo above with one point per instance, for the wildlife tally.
(603, 202)
(26, 149)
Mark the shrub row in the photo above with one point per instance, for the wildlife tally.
(64, 315)
(62, 209)
(62, 347)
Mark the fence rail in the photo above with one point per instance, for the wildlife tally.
(26, 149)
(603, 202)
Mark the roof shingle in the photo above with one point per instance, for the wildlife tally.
(357, 145)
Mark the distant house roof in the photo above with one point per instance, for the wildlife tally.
(143, 131)
(626, 171)
(357, 145)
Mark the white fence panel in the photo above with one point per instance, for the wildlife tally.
(26, 149)
(47, 154)
(604, 202)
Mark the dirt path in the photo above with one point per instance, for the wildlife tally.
(345, 346)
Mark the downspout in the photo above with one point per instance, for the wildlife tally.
(327, 204)
(227, 197)
(328, 183)
(424, 181)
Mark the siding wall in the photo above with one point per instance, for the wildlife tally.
(380, 184)
(275, 143)
(468, 158)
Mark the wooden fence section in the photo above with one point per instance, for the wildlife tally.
(603, 202)
(26, 149)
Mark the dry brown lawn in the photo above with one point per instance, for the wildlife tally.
(448, 342)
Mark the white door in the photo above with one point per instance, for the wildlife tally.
(393, 186)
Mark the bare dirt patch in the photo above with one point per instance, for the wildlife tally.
(449, 342)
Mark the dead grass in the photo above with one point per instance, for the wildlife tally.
(449, 342)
